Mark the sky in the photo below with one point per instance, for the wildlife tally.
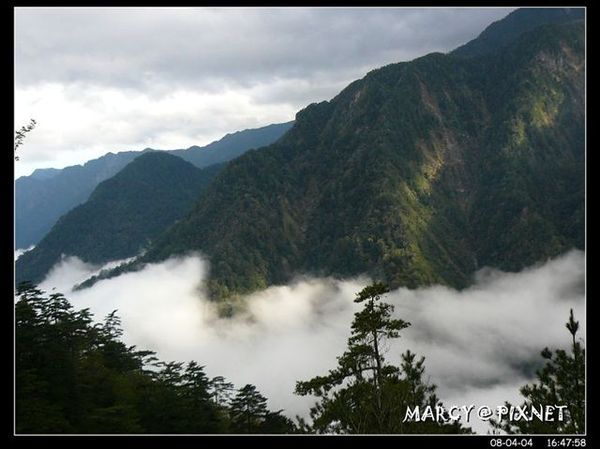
(101, 80)
(480, 344)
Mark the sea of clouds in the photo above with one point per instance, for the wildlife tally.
(481, 344)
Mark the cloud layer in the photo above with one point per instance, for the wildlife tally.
(110, 79)
(480, 344)
(150, 48)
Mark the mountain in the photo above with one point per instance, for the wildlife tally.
(233, 145)
(419, 173)
(43, 197)
(40, 199)
(45, 173)
(122, 215)
(507, 30)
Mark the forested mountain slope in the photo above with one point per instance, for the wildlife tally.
(44, 196)
(123, 214)
(419, 173)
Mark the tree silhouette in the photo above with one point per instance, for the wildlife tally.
(248, 409)
(73, 376)
(364, 394)
(560, 382)
(20, 135)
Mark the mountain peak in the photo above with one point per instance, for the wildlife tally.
(122, 215)
(504, 31)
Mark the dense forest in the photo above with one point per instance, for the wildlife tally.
(77, 376)
(74, 376)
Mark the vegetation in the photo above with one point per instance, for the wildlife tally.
(73, 376)
(366, 395)
(42, 198)
(504, 31)
(560, 382)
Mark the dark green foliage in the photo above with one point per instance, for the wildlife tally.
(364, 394)
(123, 214)
(41, 200)
(73, 376)
(249, 414)
(419, 173)
(505, 31)
(560, 382)
(43, 197)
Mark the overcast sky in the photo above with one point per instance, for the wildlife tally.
(113, 79)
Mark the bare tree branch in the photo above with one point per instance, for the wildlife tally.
(20, 135)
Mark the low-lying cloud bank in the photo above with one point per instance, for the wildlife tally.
(480, 344)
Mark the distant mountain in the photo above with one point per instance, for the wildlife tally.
(233, 145)
(419, 173)
(507, 30)
(122, 215)
(40, 200)
(44, 196)
(45, 173)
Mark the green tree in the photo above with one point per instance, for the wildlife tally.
(203, 415)
(73, 376)
(249, 414)
(248, 409)
(364, 394)
(560, 382)
(220, 391)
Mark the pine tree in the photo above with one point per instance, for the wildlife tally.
(364, 394)
(248, 410)
(73, 376)
(560, 382)
(220, 391)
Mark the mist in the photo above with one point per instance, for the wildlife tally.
(481, 344)
(20, 251)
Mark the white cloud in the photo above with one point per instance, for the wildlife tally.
(80, 122)
(480, 344)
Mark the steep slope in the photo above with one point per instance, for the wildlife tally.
(40, 201)
(122, 215)
(507, 30)
(531, 197)
(419, 173)
(44, 196)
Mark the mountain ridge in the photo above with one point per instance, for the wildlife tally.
(44, 196)
(122, 214)
(504, 31)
